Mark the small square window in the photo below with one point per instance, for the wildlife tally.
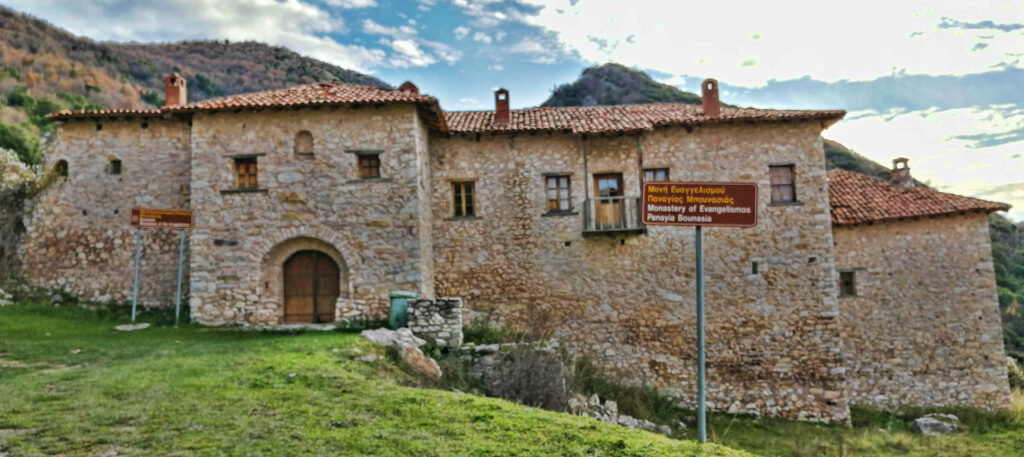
(558, 193)
(463, 201)
(245, 173)
(369, 166)
(115, 167)
(783, 183)
(847, 284)
(656, 174)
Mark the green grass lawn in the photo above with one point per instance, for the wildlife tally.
(71, 385)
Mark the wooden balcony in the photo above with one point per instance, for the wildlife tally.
(612, 215)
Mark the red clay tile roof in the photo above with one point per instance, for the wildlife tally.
(591, 119)
(329, 93)
(856, 198)
(598, 119)
(104, 113)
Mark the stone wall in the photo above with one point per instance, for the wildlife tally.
(923, 327)
(627, 300)
(77, 231)
(435, 320)
(535, 374)
(370, 227)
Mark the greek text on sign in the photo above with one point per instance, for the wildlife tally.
(161, 218)
(708, 204)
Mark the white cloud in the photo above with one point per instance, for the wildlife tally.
(411, 55)
(351, 4)
(483, 13)
(460, 32)
(410, 47)
(969, 151)
(535, 51)
(291, 23)
(482, 38)
(794, 38)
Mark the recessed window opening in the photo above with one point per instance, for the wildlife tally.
(783, 183)
(847, 284)
(245, 173)
(369, 166)
(656, 174)
(61, 168)
(753, 268)
(558, 193)
(463, 199)
(114, 167)
(304, 144)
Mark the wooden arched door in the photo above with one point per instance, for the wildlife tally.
(311, 287)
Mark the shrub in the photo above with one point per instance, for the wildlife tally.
(482, 331)
(1016, 373)
(19, 140)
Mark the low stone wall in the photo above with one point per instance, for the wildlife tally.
(534, 374)
(439, 319)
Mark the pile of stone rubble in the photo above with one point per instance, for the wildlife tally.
(609, 412)
(408, 347)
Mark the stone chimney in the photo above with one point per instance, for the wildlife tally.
(175, 92)
(709, 97)
(501, 115)
(901, 174)
(408, 86)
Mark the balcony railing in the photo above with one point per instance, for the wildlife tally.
(612, 214)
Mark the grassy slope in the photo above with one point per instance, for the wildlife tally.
(74, 386)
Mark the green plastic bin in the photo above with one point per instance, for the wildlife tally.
(399, 315)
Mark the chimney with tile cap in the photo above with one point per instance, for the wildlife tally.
(901, 173)
(175, 92)
(501, 115)
(408, 86)
(709, 97)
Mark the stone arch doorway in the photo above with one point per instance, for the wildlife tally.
(275, 267)
(311, 287)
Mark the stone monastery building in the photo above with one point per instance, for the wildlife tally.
(313, 203)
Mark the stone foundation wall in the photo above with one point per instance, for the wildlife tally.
(626, 300)
(78, 236)
(370, 227)
(923, 327)
(435, 320)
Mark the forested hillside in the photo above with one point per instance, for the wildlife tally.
(613, 84)
(45, 69)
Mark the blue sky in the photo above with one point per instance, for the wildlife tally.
(939, 82)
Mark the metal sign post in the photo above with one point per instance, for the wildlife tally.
(702, 434)
(165, 219)
(700, 204)
(181, 267)
(135, 276)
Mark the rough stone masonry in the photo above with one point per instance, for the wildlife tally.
(312, 203)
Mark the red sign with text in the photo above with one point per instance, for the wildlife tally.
(708, 204)
(161, 218)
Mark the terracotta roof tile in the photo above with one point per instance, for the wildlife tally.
(598, 119)
(591, 119)
(329, 93)
(104, 113)
(856, 198)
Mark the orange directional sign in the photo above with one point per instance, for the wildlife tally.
(161, 218)
(708, 204)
